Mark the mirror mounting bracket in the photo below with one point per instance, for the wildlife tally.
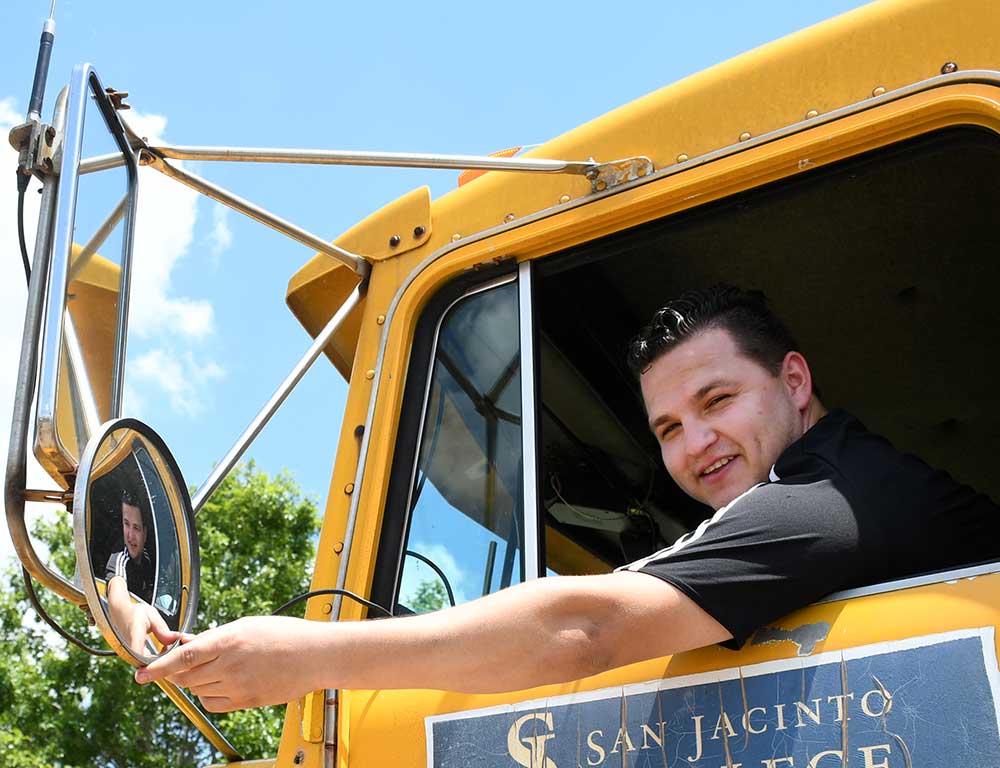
(47, 496)
(37, 144)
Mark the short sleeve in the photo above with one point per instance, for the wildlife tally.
(776, 548)
(115, 566)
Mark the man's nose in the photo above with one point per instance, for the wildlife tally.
(698, 437)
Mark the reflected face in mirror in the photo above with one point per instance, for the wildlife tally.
(135, 527)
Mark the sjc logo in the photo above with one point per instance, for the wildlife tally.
(527, 744)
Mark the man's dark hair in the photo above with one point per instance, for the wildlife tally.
(758, 332)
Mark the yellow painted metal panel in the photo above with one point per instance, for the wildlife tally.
(317, 289)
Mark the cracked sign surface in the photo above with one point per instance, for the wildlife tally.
(927, 701)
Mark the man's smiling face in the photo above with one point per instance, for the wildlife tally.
(133, 530)
(721, 418)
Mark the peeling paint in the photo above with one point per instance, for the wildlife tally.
(806, 637)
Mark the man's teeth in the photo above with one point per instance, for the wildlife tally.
(718, 465)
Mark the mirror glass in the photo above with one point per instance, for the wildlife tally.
(83, 347)
(135, 540)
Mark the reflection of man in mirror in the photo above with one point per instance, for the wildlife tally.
(131, 570)
(133, 563)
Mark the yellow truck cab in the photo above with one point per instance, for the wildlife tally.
(493, 434)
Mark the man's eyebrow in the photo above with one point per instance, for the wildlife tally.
(716, 384)
(702, 391)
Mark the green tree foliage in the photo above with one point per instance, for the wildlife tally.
(63, 708)
(430, 595)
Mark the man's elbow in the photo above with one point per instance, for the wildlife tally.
(585, 649)
(626, 618)
(589, 629)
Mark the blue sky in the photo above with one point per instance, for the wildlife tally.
(213, 336)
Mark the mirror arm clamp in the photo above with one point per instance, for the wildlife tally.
(47, 496)
(37, 144)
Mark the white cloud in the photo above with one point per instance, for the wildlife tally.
(164, 230)
(164, 326)
(9, 117)
(179, 377)
(221, 236)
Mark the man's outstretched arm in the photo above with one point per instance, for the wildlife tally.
(545, 631)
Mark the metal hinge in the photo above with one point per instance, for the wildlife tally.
(330, 730)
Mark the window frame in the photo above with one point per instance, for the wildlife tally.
(398, 518)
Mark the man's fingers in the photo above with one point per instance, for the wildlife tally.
(159, 627)
(205, 674)
(214, 689)
(137, 637)
(217, 703)
(181, 658)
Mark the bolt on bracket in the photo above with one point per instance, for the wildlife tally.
(607, 175)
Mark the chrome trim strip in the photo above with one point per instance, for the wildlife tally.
(276, 399)
(941, 577)
(529, 465)
(982, 76)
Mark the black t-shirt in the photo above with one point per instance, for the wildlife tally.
(137, 572)
(843, 508)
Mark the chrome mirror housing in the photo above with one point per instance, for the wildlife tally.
(136, 544)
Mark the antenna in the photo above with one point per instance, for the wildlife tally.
(42, 65)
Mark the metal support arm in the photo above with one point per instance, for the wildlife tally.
(383, 159)
(298, 371)
(255, 212)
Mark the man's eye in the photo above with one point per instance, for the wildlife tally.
(717, 399)
(668, 430)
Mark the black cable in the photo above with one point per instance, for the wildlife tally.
(22, 187)
(437, 570)
(37, 605)
(306, 595)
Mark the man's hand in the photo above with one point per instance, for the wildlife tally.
(134, 620)
(143, 620)
(251, 662)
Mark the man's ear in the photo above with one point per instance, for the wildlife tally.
(797, 378)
